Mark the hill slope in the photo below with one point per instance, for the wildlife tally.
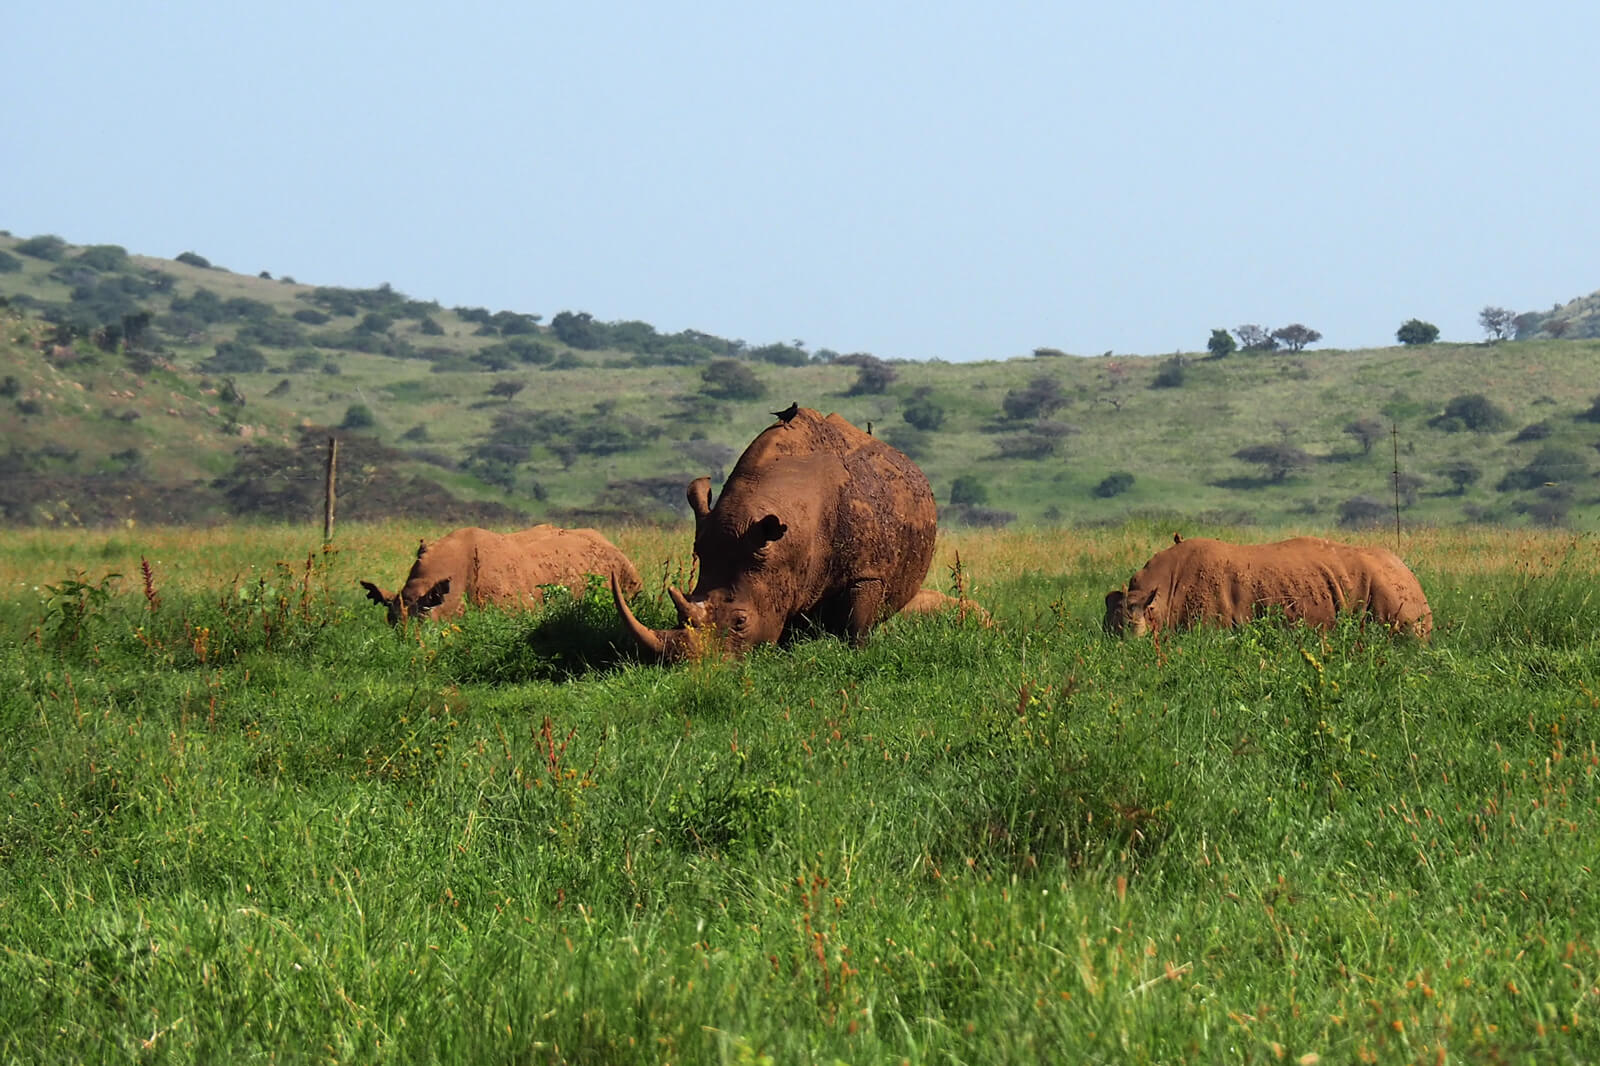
(162, 390)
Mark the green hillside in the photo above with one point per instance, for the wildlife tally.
(165, 390)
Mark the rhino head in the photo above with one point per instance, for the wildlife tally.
(743, 596)
(400, 606)
(1128, 610)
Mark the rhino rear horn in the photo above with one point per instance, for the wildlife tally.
(688, 613)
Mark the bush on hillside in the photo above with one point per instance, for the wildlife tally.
(194, 259)
(1171, 374)
(1040, 398)
(1362, 511)
(47, 246)
(1416, 331)
(1114, 484)
(1472, 411)
(105, 257)
(1553, 465)
(969, 490)
(233, 357)
(729, 379)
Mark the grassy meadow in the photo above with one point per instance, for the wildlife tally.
(247, 821)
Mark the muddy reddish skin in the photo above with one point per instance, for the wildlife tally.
(1203, 581)
(818, 523)
(505, 569)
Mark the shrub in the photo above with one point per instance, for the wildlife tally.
(1416, 331)
(233, 357)
(1171, 374)
(781, 355)
(924, 414)
(1533, 431)
(1221, 344)
(1472, 411)
(358, 416)
(312, 317)
(1553, 465)
(1114, 484)
(969, 490)
(106, 257)
(273, 332)
(1359, 511)
(9, 264)
(194, 259)
(1041, 398)
(48, 247)
(1593, 413)
(729, 379)
(873, 377)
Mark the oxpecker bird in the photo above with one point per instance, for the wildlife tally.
(787, 414)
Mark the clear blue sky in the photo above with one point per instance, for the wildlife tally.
(959, 181)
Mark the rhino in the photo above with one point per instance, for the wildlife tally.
(932, 601)
(1312, 580)
(818, 524)
(481, 567)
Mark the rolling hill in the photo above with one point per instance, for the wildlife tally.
(172, 390)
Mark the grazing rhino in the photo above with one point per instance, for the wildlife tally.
(478, 566)
(818, 524)
(932, 601)
(1211, 581)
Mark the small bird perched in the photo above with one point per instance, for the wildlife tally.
(787, 414)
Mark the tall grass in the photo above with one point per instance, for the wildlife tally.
(247, 820)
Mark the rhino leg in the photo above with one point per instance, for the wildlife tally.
(865, 608)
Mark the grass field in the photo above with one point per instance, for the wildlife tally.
(246, 821)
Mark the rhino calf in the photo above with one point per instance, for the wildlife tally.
(478, 566)
(1203, 581)
(818, 523)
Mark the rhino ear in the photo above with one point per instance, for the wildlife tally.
(770, 528)
(699, 494)
(375, 594)
(433, 597)
(1141, 599)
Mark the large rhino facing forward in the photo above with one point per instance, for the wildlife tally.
(818, 523)
(1203, 581)
(479, 566)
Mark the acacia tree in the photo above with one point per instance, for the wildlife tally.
(1295, 336)
(1497, 323)
(1254, 338)
(1279, 459)
(1366, 431)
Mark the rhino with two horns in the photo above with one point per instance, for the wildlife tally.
(818, 524)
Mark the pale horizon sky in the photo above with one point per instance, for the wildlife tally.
(926, 181)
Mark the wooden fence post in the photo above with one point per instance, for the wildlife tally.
(328, 497)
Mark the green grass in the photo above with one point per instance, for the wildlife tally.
(249, 821)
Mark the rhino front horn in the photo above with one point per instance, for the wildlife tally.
(652, 641)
